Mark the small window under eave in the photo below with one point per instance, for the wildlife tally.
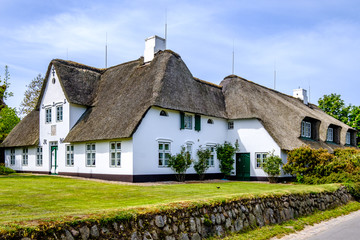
(163, 113)
(210, 121)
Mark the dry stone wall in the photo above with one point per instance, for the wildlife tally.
(197, 222)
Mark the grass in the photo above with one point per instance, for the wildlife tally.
(292, 226)
(26, 198)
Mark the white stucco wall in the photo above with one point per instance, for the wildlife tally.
(102, 165)
(253, 138)
(76, 111)
(18, 166)
(155, 128)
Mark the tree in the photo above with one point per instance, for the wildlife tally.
(271, 166)
(334, 106)
(31, 95)
(202, 165)
(180, 163)
(8, 116)
(225, 153)
(8, 120)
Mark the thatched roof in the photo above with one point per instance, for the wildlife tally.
(119, 97)
(79, 82)
(280, 114)
(127, 91)
(25, 133)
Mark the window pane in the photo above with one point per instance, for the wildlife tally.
(161, 146)
(88, 147)
(160, 155)
(93, 147)
(88, 156)
(72, 148)
(167, 146)
(112, 146)
(118, 155)
(118, 146)
(67, 148)
(93, 155)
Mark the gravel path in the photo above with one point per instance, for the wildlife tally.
(319, 228)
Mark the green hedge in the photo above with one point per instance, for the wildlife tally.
(5, 170)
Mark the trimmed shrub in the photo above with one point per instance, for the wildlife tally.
(180, 163)
(5, 170)
(272, 166)
(202, 165)
(225, 153)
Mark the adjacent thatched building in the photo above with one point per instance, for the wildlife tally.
(123, 122)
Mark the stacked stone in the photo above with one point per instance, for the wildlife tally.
(201, 222)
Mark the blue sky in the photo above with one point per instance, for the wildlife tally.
(314, 43)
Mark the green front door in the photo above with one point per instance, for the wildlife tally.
(54, 160)
(243, 166)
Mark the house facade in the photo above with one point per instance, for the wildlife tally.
(122, 123)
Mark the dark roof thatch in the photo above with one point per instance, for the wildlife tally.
(25, 133)
(79, 82)
(280, 114)
(128, 90)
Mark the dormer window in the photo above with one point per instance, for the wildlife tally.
(230, 124)
(163, 113)
(330, 135)
(305, 129)
(310, 128)
(348, 138)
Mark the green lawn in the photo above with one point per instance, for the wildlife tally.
(34, 197)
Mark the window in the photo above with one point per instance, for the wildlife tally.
(48, 115)
(39, 156)
(231, 125)
(330, 135)
(187, 121)
(164, 153)
(348, 138)
(90, 154)
(59, 113)
(260, 157)
(25, 157)
(305, 129)
(115, 154)
(212, 155)
(210, 121)
(70, 155)
(163, 113)
(12, 156)
(189, 148)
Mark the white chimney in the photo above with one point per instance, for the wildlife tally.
(301, 94)
(153, 45)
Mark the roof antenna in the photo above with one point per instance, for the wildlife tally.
(165, 27)
(274, 74)
(106, 52)
(233, 58)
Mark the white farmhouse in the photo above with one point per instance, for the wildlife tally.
(123, 122)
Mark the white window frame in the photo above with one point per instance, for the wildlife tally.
(59, 113)
(230, 124)
(259, 159)
(188, 148)
(330, 135)
(69, 155)
(188, 121)
(305, 129)
(163, 153)
(90, 149)
(348, 138)
(48, 115)
(115, 154)
(39, 156)
(211, 160)
(12, 156)
(25, 157)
